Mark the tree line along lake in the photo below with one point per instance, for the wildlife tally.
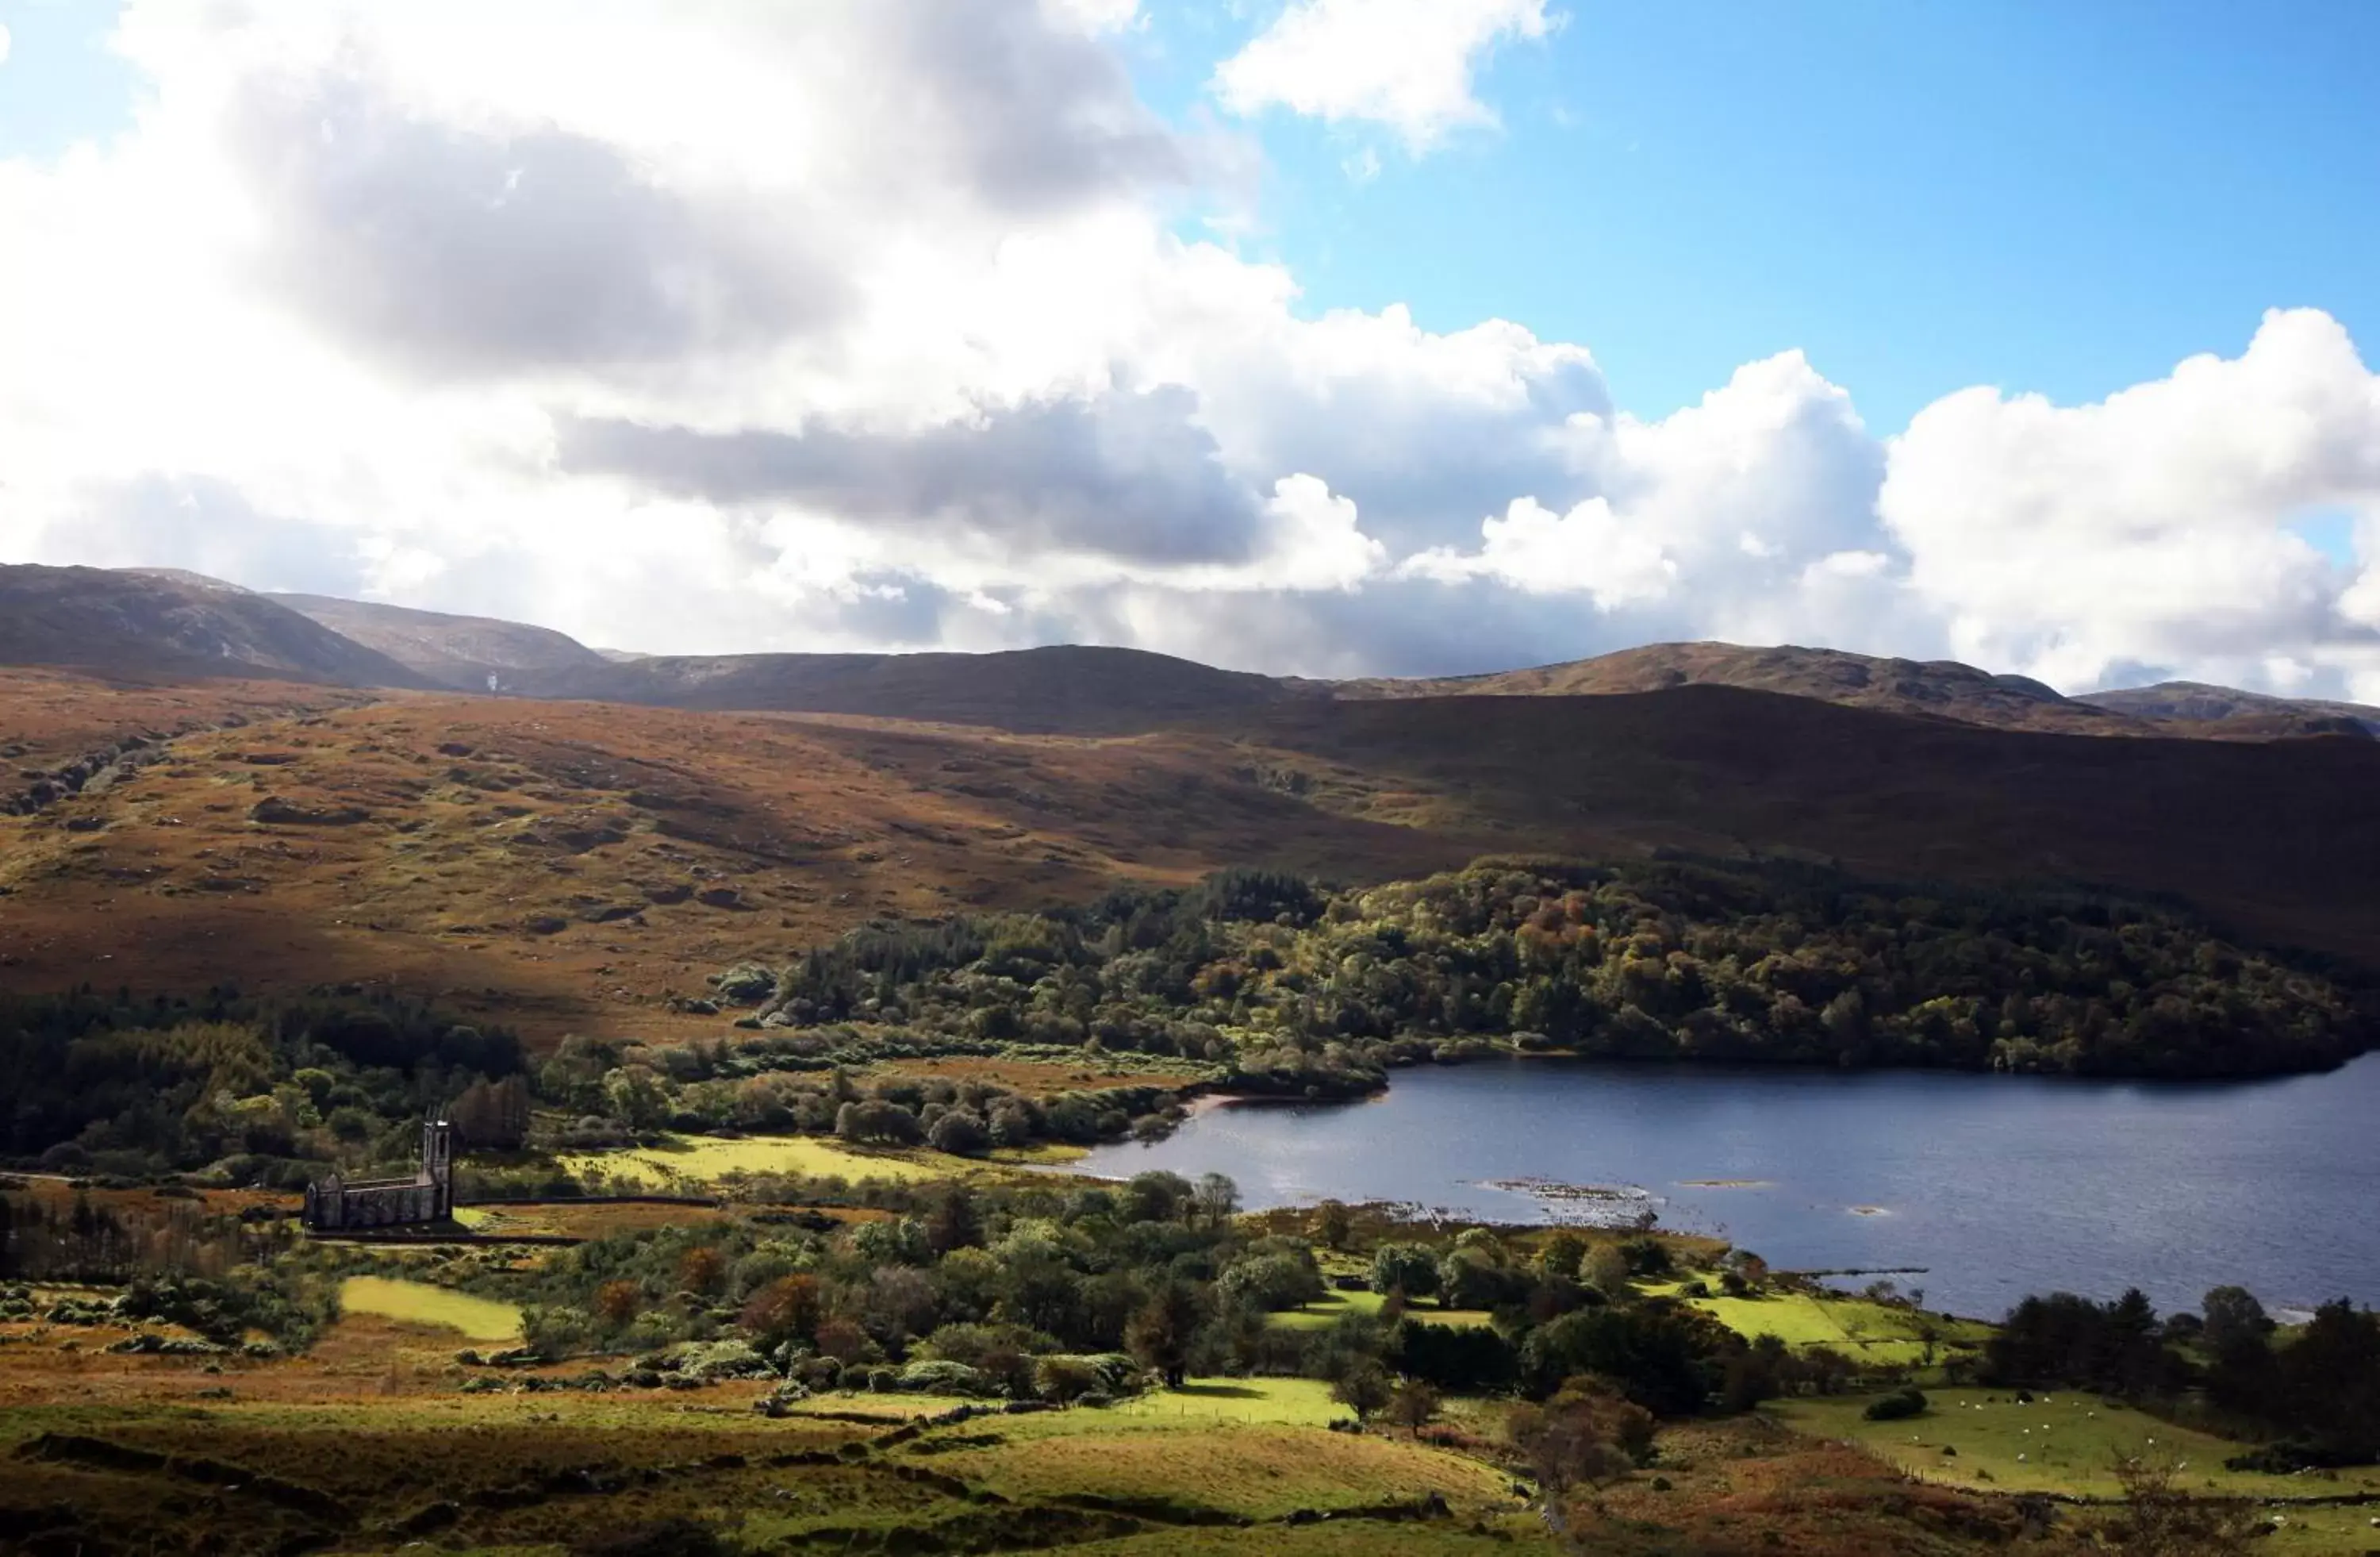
(1995, 1186)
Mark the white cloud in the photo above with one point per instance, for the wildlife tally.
(1406, 65)
(2153, 527)
(857, 326)
(1317, 542)
(1589, 550)
(3, 45)
(1095, 15)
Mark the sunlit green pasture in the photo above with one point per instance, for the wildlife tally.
(691, 1160)
(1333, 1306)
(2058, 1443)
(1296, 1402)
(1879, 1332)
(481, 1318)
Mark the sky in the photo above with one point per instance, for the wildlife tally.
(1325, 337)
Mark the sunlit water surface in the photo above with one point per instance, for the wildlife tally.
(1997, 1186)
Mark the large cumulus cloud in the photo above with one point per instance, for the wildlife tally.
(872, 325)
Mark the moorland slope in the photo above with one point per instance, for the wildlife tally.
(1937, 689)
(161, 623)
(2189, 702)
(572, 864)
(456, 651)
(166, 622)
(1065, 688)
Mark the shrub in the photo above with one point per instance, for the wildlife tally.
(1064, 1379)
(943, 1378)
(721, 1359)
(746, 983)
(1899, 1406)
(960, 1132)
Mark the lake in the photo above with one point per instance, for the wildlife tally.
(2001, 1185)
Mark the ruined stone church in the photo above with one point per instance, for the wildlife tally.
(334, 1205)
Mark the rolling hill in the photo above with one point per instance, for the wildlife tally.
(567, 865)
(1940, 689)
(2228, 708)
(164, 624)
(187, 808)
(1065, 689)
(456, 651)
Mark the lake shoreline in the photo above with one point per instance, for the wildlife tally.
(2036, 1183)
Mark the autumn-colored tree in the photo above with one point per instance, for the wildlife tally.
(492, 1115)
(1159, 1333)
(785, 1310)
(618, 1303)
(954, 1221)
(1586, 1434)
(701, 1269)
(846, 1342)
(1412, 1406)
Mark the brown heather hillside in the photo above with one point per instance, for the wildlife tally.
(2275, 840)
(163, 622)
(165, 625)
(2226, 707)
(456, 651)
(1940, 689)
(569, 865)
(1066, 688)
(50, 717)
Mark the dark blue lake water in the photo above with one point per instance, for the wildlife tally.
(2001, 1185)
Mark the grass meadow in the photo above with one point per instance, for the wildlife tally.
(696, 1160)
(1332, 1307)
(1875, 1332)
(481, 1318)
(2069, 1443)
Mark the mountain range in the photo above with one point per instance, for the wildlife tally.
(168, 621)
(206, 785)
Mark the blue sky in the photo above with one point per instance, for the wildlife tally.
(2067, 197)
(60, 83)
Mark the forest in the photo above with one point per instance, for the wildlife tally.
(1669, 958)
(1252, 981)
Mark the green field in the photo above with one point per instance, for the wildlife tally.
(481, 1318)
(1296, 1402)
(2069, 1443)
(1332, 1307)
(1879, 1332)
(1251, 1471)
(700, 1160)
